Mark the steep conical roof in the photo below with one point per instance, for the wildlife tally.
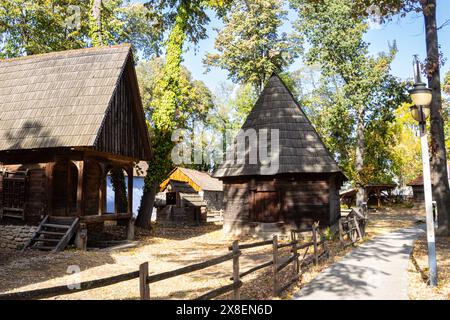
(300, 148)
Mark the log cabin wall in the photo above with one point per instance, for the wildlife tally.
(299, 201)
(37, 185)
(120, 133)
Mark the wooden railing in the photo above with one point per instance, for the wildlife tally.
(145, 279)
(299, 262)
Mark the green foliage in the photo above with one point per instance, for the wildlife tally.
(250, 46)
(193, 102)
(40, 26)
(31, 27)
(120, 188)
(355, 90)
(176, 103)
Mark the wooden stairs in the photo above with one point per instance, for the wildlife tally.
(53, 233)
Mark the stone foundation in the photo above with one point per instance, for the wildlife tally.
(14, 237)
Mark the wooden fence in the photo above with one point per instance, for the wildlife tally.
(352, 228)
(298, 261)
(145, 280)
(278, 262)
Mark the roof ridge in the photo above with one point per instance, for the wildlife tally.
(70, 51)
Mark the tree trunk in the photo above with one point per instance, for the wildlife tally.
(120, 191)
(97, 37)
(144, 217)
(359, 161)
(441, 191)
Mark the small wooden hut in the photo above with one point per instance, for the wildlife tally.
(67, 119)
(375, 193)
(418, 191)
(189, 196)
(305, 187)
(209, 188)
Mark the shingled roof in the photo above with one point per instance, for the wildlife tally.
(196, 179)
(61, 99)
(301, 149)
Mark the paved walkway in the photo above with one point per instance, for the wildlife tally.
(375, 270)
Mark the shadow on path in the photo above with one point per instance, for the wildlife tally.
(375, 270)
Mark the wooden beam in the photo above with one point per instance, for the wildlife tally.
(49, 187)
(80, 188)
(105, 217)
(130, 190)
(102, 191)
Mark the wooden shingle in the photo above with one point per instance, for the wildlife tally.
(62, 99)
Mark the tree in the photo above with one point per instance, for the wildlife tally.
(250, 45)
(365, 92)
(118, 21)
(407, 161)
(388, 8)
(31, 27)
(40, 26)
(232, 104)
(187, 20)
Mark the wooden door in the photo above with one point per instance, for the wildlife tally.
(266, 206)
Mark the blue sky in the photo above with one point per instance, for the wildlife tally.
(408, 33)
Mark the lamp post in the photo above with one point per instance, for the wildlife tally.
(421, 97)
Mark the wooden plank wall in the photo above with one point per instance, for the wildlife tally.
(36, 188)
(120, 133)
(301, 201)
(93, 176)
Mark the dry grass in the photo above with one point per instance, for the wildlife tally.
(165, 249)
(418, 271)
(385, 220)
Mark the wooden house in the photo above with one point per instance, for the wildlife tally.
(418, 191)
(304, 189)
(209, 188)
(375, 194)
(189, 196)
(67, 119)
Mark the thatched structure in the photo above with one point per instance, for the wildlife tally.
(305, 186)
(67, 119)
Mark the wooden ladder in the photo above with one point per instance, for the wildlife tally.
(53, 233)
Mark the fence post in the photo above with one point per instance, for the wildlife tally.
(236, 254)
(144, 287)
(341, 231)
(275, 264)
(295, 263)
(316, 253)
(358, 230)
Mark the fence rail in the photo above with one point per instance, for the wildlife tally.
(146, 280)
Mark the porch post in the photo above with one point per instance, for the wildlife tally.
(49, 180)
(102, 191)
(80, 188)
(130, 190)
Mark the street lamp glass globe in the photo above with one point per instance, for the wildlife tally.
(415, 113)
(421, 95)
(422, 98)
